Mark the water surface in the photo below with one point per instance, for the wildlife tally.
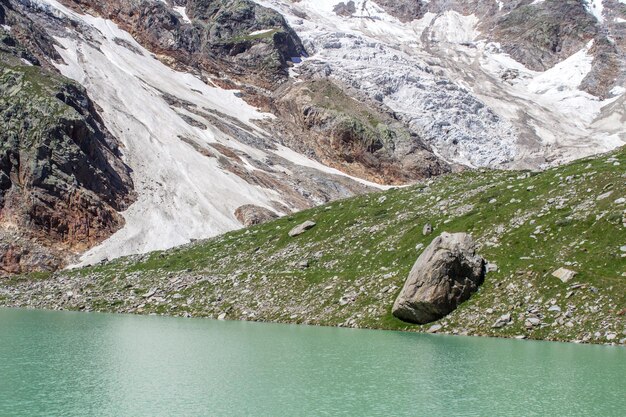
(79, 364)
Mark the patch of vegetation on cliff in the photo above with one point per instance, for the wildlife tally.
(349, 268)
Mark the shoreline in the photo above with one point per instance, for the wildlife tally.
(291, 323)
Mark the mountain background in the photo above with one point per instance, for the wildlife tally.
(138, 125)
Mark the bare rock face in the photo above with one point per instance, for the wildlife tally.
(345, 9)
(237, 37)
(542, 34)
(354, 136)
(404, 10)
(62, 181)
(444, 276)
(250, 215)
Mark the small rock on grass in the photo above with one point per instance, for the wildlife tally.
(300, 229)
(565, 275)
(502, 321)
(434, 328)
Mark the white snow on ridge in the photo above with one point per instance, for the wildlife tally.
(260, 32)
(183, 12)
(560, 84)
(595, 7)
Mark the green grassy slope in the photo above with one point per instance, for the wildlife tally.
(349, 268)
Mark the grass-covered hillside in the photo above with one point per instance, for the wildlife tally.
(350, 267)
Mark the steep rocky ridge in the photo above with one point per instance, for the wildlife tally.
(233, 37)
(62, 181)
(405, 10)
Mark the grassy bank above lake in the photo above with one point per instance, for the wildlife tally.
(349, 268)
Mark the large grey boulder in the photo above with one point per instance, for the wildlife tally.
(444, 276)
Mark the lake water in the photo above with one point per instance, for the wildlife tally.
(78, 364)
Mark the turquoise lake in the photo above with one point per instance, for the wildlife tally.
(82, 364)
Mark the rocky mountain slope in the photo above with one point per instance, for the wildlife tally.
(348, 268)
(62, 181)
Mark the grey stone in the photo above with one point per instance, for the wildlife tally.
(427, 230)
(150, 293)
(345, 9)
(300, 229)
(434, 328)
(565, 275)
(502, 321)
(534, 321)
(444, 275)
(347, 298)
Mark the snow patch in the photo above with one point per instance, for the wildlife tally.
(618, 90)
(183, 12)
(595, 7)
(453, 27)
(261, 32)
